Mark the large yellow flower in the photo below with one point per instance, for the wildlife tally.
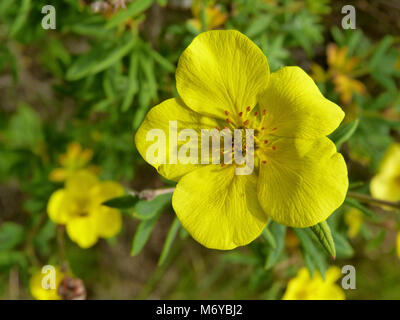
(79, 207)
(305, 287)
(39, 292)
(386, 184)
(223, 80)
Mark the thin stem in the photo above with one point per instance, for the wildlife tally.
(368, 199)
(150, 194)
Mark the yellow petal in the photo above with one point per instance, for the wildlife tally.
(158, 118)
(58, 175)
(390, 165)
(108, 222)
(303, 181)
(58, 207)
(221, 70)
(296, 107)
(104, 191)
(385, 188)
(79, 184)
(353, 218)
(36, 286)
(218, 208)
(83, 231)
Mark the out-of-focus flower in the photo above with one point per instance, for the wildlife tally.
(386, 184)
(223, 81)
(340, 72)
(79, 207)
(353, 219)
(305, 287)
(41, 292)
(75, 158)
(214, 17)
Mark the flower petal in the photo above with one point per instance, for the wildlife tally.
(385, 188)
(58, 207)
(108, 222)
(218, 208)
(221, 70)
(83, 231)
(79, 184)
(296, 107)
(158, 118)
(104, 191)
(303, 181)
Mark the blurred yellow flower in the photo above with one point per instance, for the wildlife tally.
(386, 184)
(213, 15)
(41, 293)
(74, 159)
(79, 207)
(353, 219)
(305, 287)
(341, 72)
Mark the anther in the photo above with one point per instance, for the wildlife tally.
(265, 141)
(273, 147)
(264, 161)
(246, 122)
(256, 114)
(274, 129)
(226, 112)
(248, 109)
(262, 128)
(240, 113)
(264, 112)
(227, 120)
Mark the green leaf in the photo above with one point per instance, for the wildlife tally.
(324, 235)
(343, 247)
(278, 231)
(379, 55)
(133, 9)
(99, 59)
(312, 256)
(169, 240)
(19, 21)
(145, 210)
(11, 234)
(355, 204)
(142, 234)
(343, 133)
(124, 202)
(133, 84)
(168, 66)
(268, 236)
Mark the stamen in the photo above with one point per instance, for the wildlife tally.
(264, 112)
(273, 147)
(265, 141)
(256, 114)
(246, 123)
(248, 109)
(240, 113)
(226, 112)
(227, 121)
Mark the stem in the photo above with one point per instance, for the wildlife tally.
(368, 199)
(61, 249)
(150, 194)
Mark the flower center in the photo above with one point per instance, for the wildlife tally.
(263, 137)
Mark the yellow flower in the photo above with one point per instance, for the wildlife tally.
(386, 184)
(42, 293)
(79, 207)
(341, 69)
(353, 218)
(223, 80)
(74, 159)
(214, 16)
(303, 287)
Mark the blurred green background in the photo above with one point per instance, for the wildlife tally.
(91, 81)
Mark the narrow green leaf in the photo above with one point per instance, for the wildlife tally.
(169, 240)
(343, 133)
(142, 234)
(379, 53)
(133, 84)
(343, 247)
(145, 210)
(133, 9)
(268, 236)
(312, 256)
(355, 204)
(278, 231)
(324, 235)
(163, 62)
(22, 15)
(124, 202)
